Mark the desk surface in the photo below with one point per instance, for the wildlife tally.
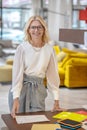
(12, 124)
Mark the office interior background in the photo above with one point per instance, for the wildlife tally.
(57, 14)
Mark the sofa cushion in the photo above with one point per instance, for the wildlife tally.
(56, 49)
(73, 57)
(9, 61)
(67, 57)
(79, 54)
(79, 61)
(75, 76)
(61, 56)
(73, 53)
(66, 50)
(61, 73)
(6, 73)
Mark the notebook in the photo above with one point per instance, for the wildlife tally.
(46, 127)
(71, 124)
(70, 115)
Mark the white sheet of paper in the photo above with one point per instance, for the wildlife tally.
(31, 118)
(85, 107)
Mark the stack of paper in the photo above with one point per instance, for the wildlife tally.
(31, 119)
(85, 107)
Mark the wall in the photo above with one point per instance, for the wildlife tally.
(59, 16)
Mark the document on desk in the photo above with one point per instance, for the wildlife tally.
(85, 106)
(46, 127)
(31, 119)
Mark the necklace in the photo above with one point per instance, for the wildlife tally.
(36, 49)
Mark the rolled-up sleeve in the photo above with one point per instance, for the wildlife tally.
(17, 72)
(52, 76)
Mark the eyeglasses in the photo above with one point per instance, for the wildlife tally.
(36, 27)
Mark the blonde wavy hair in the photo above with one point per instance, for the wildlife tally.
(27, 36)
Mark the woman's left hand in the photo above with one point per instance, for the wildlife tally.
(56, 107)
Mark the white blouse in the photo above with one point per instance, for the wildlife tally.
(34, 61)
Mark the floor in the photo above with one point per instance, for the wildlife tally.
(69, 98)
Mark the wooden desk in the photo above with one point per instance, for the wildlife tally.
(12, 124)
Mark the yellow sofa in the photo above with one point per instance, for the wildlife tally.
(5, 73)
(73, 69)
(9, 61)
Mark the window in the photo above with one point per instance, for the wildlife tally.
(14, 16)
(77, 6)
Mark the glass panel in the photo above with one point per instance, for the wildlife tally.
(45, 3)
(16, 3)
(14, 19)
(13, 23)
(75, 2)
(83, 24)
(78, 4)
(83, 2)
(78, 23)
(75, 19)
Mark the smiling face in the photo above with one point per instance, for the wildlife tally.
(36, 30)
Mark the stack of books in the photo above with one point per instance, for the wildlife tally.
(70, 124)
(71, 120)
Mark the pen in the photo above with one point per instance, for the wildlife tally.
(58, 129)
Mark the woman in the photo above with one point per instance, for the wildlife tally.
(34, 60)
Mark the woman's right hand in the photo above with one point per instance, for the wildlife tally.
(15, 107)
